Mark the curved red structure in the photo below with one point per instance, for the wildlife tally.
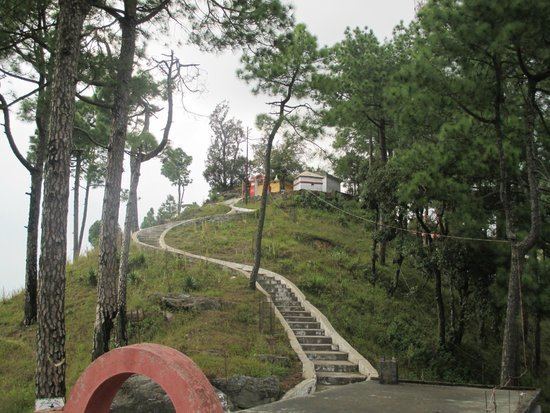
(185, 384)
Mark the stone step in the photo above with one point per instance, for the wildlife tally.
(327, 355)
(283, 298)
(339, 378)
(296, 313)
(308, 332)
(335, 366)
(318, 347)
(300, 319)
(293, 308)
(301, 324)
(314, 339)
(288, 303)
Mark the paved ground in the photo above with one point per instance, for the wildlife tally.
(373, 397)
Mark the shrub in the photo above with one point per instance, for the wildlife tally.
(92, 277)
(137, 261)
(134, 278)
(190, 283)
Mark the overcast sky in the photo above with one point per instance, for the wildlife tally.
(327, 19)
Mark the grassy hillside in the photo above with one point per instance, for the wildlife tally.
(220, 342)
(327, 254)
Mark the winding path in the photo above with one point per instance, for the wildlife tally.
(327, 358)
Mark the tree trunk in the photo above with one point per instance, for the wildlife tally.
(84, 213)
(440, 309)
(76, 204)
(263, 204)
(179, 199)
(384, 159)
(135, 214)
(536, 361)
(510, 344)
(509, 363)
(108, 255)
(31, 270)
(122, 336)
(51, 361)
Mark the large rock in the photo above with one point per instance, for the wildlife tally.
(188, 302)
(140, 394)
(246, 392)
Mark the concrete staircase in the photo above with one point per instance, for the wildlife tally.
(151, 236)
(331, 365)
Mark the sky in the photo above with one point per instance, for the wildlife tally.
(326, 19)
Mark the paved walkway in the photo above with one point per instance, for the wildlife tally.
(373, 397)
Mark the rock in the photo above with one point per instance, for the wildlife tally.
(187, 302)
(139, 394)
(246, 392)
(224, 400)
(168, 316)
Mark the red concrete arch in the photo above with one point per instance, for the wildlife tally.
(181, 379)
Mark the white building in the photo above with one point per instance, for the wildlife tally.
(316, 182)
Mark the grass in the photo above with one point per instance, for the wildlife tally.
(195, 211)
(327, 254)
(222, 343)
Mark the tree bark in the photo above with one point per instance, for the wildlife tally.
(31, 270)
(122, 336)
(509, 363)
(135, 213)
(84, 213)
(108, 253)
(51, 362)
(440, 308)
(136, 160)
(76, 204)
(267, 178)
(510, 345)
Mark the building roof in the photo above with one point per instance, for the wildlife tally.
(310, 175)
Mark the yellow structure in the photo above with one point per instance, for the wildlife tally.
(274, 186)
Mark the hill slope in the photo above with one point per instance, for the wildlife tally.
(327, 254)
(222, 342)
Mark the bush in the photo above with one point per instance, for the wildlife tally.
(134, 278)
(92, 277)
(136, 261)
(190, 283)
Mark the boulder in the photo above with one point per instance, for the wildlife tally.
(139, 394)
(187, 302)
(246, 392)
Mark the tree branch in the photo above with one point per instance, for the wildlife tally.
(11, 141)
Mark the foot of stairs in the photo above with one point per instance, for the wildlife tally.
(332, 366)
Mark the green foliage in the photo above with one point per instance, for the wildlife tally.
(149, 219)
(93, 233)
(190, 283)
(92, 277)
(175, 167)
(316, 284)
(167, 211)
(224, 167)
